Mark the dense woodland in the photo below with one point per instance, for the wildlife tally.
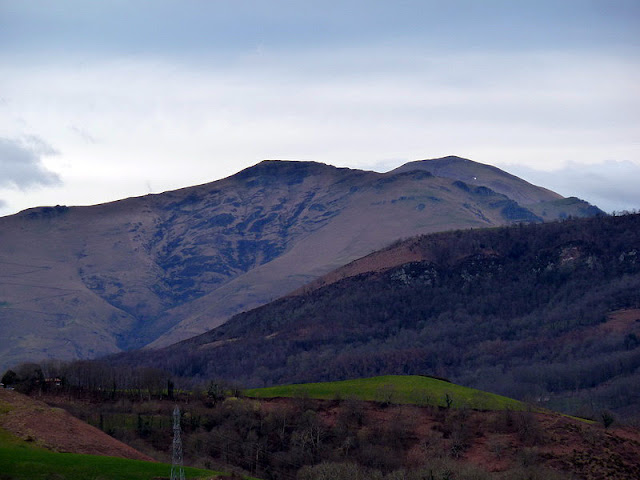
(519, 311)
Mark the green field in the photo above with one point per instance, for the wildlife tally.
(398, 389)
(20, 460)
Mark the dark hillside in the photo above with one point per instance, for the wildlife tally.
(546, 312)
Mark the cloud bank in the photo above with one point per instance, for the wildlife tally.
(611, 185)
(21, 163)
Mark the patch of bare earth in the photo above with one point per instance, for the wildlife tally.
(590, 451)
(619, 322)
(57, 430)
(375, 262)
(622, 321)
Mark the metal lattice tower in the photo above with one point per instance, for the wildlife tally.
(177, 470)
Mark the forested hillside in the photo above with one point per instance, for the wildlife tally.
(546, 312)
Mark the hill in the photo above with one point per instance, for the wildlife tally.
(397, 389)
(547, 312)
(56, 430)
(79, 282)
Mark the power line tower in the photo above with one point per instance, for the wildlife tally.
(177, 470)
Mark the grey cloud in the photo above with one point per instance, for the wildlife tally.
(132, 27)
(21, 162)
(611, 185)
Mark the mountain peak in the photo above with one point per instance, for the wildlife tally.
(449, 158)
(275, 165)
(475, 173)
(295, 170)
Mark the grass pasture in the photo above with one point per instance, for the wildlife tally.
(20, 460)
(399, 389)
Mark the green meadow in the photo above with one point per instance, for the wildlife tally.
(398, 389)
(20, 460)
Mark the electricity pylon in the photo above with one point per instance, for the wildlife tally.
(177, 470)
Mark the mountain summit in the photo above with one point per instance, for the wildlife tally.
(475, 173)
(78, 282)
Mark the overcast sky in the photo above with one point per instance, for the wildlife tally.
(106, 100)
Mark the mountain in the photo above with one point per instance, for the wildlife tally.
(546, 312)
(79, 282)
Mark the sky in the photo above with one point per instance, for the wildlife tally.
(105, 100)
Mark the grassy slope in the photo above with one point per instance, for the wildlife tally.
(20, 460)
(410, 389)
